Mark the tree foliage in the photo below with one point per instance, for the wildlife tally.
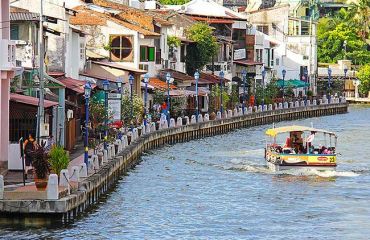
(137, 105)
(364, 76)
(215, 98)
(205, 47)
(347, 26)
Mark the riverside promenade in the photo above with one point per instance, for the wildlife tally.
(81, 186)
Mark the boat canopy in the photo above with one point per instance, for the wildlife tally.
(275, 131)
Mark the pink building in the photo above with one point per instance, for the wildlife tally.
(7, 68)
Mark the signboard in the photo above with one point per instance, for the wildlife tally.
(239, 54)
(114, 105)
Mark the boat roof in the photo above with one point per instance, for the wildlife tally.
(295, 128)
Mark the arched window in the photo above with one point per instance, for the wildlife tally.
(121, 48)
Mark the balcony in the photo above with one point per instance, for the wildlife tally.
(7, 57)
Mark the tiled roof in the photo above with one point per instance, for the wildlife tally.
(212, 78)
(28, 100)
(75, 85)
(23, 16)
(213, 20)
(89, 17)
(183, 77)
(159, 84)
(247, 63)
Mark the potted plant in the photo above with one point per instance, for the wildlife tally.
(41, 166)
(58, 159)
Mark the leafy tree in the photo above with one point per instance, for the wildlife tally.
(201, 53)
(138, 109)
(215, 100)
(364, 76)
(331, 42)
(360, 14)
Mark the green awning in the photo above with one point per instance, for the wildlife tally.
(293, 83)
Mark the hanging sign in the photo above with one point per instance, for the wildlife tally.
(114, 105)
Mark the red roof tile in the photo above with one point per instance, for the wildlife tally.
(28, 100)
(75, 85)
(159, 84)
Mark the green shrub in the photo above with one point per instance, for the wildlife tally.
(58, 159)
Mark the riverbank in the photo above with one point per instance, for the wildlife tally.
(89, 189)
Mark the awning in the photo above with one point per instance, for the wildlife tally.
(275, 131)
(28, 100)
(120, 67)
(159, 84)
(247, 63)
(294, 83)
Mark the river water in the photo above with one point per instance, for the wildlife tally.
(219, 188)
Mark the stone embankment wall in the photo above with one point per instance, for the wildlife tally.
(104, 171)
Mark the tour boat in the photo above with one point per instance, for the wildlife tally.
(299, 150)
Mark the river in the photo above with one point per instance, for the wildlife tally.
(219, 188)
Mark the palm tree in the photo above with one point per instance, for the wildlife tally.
(361, 16)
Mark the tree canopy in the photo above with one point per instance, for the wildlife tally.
(344, 35)
(205, 47)
(364, 76)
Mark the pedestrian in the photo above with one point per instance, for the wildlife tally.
(29, 146)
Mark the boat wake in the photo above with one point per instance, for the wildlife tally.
(243, 165)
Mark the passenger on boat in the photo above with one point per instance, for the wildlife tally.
(288, 143)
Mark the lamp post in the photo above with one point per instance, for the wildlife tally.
(146, 81)
(86, 140)
(244, 75)
(131, 81)
(222, 75)
(196, 76)
(305, 73)
(106, 88)
(345, 49)
(283, 72)
(263, 88)
(168, 80)
(119, 86)
(329, 83)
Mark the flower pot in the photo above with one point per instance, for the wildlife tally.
(41, 184)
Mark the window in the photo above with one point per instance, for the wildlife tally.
(272, 58)
(258, 55)
(263, 28)
(82, 51)
(14, 32)
(182, 53)
(121, 48)
(147, 54)
(277, 61)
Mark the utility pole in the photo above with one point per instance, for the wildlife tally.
(41, 110)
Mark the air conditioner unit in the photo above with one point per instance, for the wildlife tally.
(45, 130)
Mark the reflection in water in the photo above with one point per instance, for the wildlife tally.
(219, 188)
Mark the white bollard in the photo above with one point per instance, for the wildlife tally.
(135, 133)
(240, 111)
(164, 124)
(95, 161)
(303, 104)
(52, 191)
(83, 170)
(260, 108)
(152, 127)
(250, 110)
(1, 187)
(291, 105)
(147, 128)
(200, 118)
(265, 107)
(235, 113)
(124, 141)
(172, 123)
(296, 104)
(314, 102)
(225, 114)
(187, 121)
(255, 109)
(193, 119)
(206, 117)
(75, 175)
(109, 151)
(64, 179)
(269, 107)
(90, 167)
(229, 113)
(280, 106)
(286, 105)
(113, 150)
(179, 122)
(308, 102)
(105, 156)
(218, 115)
(275, 106)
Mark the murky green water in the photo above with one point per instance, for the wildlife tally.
(218, 188)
